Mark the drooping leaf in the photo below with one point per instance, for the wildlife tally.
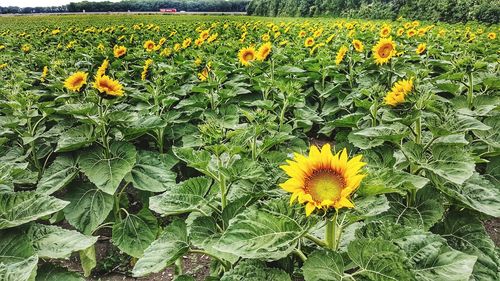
(50, 241)
(88, 260)
(324, 265)
(466, 233)
(75, 138)
(254, 270)
(151, 172)
(171, 244)
(24, 270)
(184, 197)
(59, 174)
(88, 207)
(108, 172)
(17, 208)
(134, 233)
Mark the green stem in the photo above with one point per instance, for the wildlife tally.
(470, 94)
(330, 235)
(161, 140)
(282, 114)
(317, 241)
(418, 130)
(178, 266)
(223, 192)
(104, 130)
(226, 265)
(301, 255)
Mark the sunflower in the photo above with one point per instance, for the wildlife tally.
(162, 41)
(385, 31)
(45, 72)
(384, 50)
(198, 42)
(264, 51)
(247, 55)
(309, 42)
(400, 32)
(149, 45)
(204, 34)
(358, 45)
(421, 48)
(323, 180)
(108, 87)
(76, 81)
(119, 51)
(102, 69)
(265, 37)
(145, 69)
(212, 37)
(203, 75)
(186, 43)
(411, 33)
(3, 65)
(341, 54)
(302, 33)
(398, 92)
(492, 35)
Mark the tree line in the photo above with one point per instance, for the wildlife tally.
(437, 10)
(137, 5)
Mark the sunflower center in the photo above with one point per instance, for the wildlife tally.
(324, 185)
(385, 51)
(248, 56)
(77, 81)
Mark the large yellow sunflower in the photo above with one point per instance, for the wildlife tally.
(149, 45)
(108, 87)
(341, 54)
(119, 51)
(309, 42)
(264, 51)
(247, 55)
(421, 48)
(399, 92)
(76, 81)
(323, 180)
(384, 50)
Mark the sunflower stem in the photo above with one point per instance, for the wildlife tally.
(418, 130)
(317, 241)
(470, 94)
(301, 255)
(331, 235)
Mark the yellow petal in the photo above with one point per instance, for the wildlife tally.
(291, 185)
(310, 208)
(343, 160)
(294, 197)
(344, 202)
(326, 155)
(354, 181)
(293, 171)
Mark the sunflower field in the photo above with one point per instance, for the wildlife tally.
(277, 149)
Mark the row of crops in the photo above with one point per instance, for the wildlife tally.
(283, 149)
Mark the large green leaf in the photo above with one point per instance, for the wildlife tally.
(108, 172)
(50, 241)
(479, 193)
(171, 244)
(185, 197)
(17, 208)
(58, 175)
(134, 233)
(50, 272)
(388, 180)
(75, 138)
(324, 265)
(204, 233)
(254, 270)
(378, 260)
(152, 171)
(451, 163)
(466, 233)
(446, 264)
(261, 233)
(88, 260)
(17, 257)
(423, 213)
(88, 207)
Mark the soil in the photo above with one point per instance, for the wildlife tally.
(493, 229)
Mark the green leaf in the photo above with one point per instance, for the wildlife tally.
(17, 208)
(185, 197)
(365, 207)
(171, 244)
(423, 213)
(378, 260)
(479, 193)
(59, 174)
(88, 208)
(254, 270)
(17, 257)
(445, 265)
(388, 180)
(263, 233)
(324, 265)
(204, 233)
(50, 241)
(49, 272)
(108, 172)
(196, 159)
(451, 163)
(135, 233)
(88, 260)
(466, 233)
(152, 172)
(75, 138)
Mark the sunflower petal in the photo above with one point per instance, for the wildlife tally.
(309, 208)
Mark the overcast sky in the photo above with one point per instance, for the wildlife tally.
(42, 3)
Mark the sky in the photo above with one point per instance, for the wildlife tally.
(42, 3)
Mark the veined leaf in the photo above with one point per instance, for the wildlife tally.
(324, 265)
(135, 233)
(17, 257)
(59, 174)
(88, 260)
(447, 264)
(151, 172)
(88, 208)
(107, 173)
(50, 272)
(450, 163)
(50, 241)
(171, 244)
(185, 197)
(17, 208)
(75, 138)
